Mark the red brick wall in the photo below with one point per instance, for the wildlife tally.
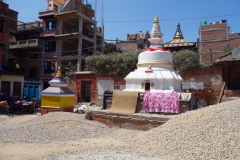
(1, 57)
(212, 83)
(218, 40)
(126, 122)
(86, 77)
(208, 33)
(127, 47)
(12, 21)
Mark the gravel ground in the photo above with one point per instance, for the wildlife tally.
(209, 133)
(53, 127)
(99, 155)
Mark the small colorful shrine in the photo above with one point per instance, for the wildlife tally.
(57, 97)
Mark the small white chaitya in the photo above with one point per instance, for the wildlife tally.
(154, 71)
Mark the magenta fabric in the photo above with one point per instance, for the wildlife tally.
(161, 102)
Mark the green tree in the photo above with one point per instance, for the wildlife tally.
(70, 70)
(116, 65)
(227, 49)
(185, 60)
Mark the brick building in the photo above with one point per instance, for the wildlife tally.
(134, 41)
(8, 27)
(11, 82)
(213, 38)
(224, 76)
(25, 55)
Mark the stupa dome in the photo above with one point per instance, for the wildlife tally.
(154, 67)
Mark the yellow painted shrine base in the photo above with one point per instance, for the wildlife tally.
(57, 101)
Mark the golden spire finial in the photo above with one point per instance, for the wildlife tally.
(59, 74)
(178, 34)
(156, 20)
(149, 67)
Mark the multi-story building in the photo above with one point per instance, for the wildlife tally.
(11, 83)
(213, 38)
(70, 34)
(25, 54)
(8, 27)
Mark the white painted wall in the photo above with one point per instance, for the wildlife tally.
(103, 84)
(12, 78)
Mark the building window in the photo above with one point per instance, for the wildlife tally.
(5, 88)
(50, 46)
(1, 24)
(17, 87)
(51, 25)
(49, 67)
(32, 73)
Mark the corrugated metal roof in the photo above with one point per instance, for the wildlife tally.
(226, 58)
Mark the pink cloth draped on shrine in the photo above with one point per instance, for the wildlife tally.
(161, 102)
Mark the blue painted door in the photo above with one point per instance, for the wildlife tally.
(31, 91)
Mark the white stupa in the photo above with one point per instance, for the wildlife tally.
(154, 68)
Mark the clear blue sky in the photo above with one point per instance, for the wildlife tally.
(131, 16)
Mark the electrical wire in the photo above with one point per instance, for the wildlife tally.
(173, 19)
(146, 20)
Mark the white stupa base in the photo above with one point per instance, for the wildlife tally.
(157, 80)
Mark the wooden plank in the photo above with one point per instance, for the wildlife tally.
(222, 91)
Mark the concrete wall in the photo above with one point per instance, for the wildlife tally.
(12, 78)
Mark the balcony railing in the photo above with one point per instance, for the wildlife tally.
(25, 43)
(67, 31)
(69, 53)
(76, 5)
(47, 12)
(82, 8)
(29, 26)
(48, 32)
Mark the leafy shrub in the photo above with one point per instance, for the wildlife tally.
(186, 60)
(116, 65)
